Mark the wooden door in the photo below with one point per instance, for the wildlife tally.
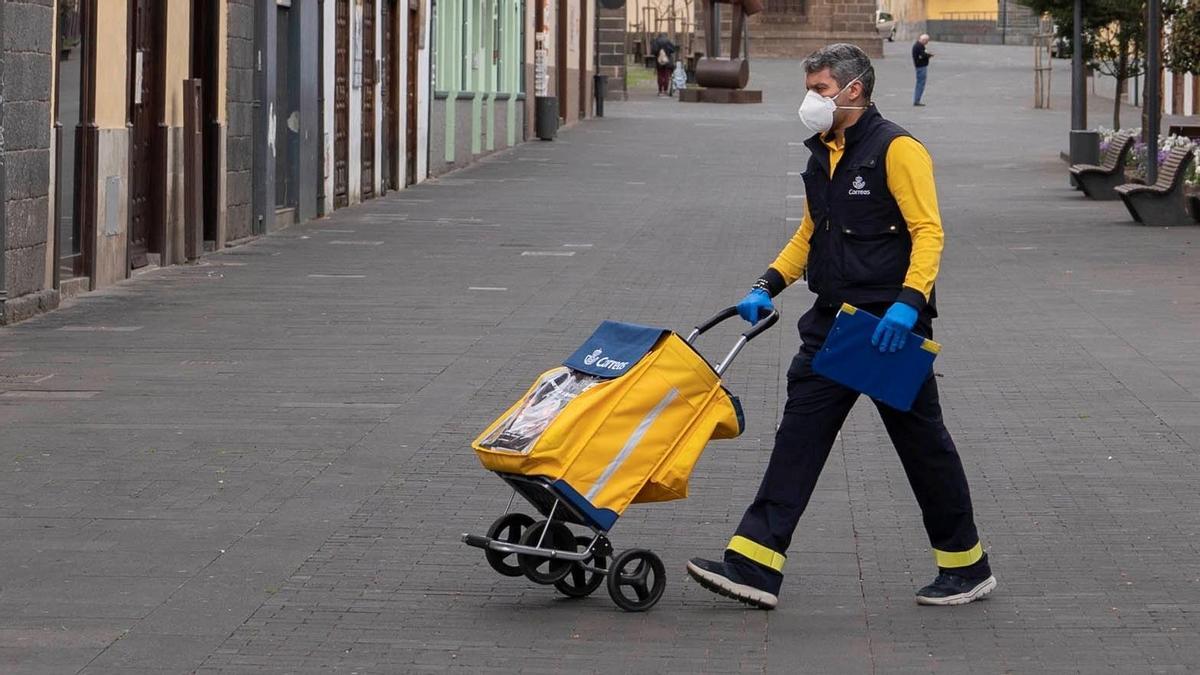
(286, 141)
(561, 60)
(369, 78)
(341, 105)
(74, 126)
(391, 109)
(410, 129)
(583, 62)
(206, 68)
(144, 106)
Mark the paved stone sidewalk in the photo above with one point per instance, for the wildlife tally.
(260, 463)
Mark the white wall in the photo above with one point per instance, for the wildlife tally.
(424, 96)
(377, 175)
(1189, 104)
(354, 131)
(1106, 86)
(329, 21)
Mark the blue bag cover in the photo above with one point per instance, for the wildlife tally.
(614, 349)
(893, 378)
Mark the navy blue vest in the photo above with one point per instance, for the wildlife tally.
(860, 245)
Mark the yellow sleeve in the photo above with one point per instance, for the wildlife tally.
(910, 179)
(793, 259)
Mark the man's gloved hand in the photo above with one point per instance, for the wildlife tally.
(755, 306)
(892, 333)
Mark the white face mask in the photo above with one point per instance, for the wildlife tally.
(817, 111)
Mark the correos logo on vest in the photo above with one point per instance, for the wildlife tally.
(859, 184)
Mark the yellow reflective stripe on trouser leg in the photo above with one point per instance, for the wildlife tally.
(951, 559)
(757, 552)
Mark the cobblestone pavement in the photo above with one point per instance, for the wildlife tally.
(260, 463)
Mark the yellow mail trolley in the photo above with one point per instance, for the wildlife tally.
(622, 421)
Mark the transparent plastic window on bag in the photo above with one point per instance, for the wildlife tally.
(552, 393)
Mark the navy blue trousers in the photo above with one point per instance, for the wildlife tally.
(815, 411)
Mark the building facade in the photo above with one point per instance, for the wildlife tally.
(143, 133)
(375, 98)
(485, 72)
(123, 137)
(964, 21)
(796, 28)
(478, 77)
(1181, 94)
(611, 30)
(26, 237)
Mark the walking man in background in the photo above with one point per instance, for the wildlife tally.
(663, 51)
(872, 237)
(921, 63)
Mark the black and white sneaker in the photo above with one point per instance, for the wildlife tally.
(951, 589)
(724, 580)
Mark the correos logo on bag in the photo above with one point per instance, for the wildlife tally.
(597, 359)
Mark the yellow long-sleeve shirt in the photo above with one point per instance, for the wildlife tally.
(910, 180)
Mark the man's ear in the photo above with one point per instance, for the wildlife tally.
(856, 94)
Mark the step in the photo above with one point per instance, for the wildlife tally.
(73, 287)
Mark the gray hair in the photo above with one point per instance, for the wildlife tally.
(845, 62)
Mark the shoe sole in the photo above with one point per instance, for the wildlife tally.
(978, 593)
(740, 592)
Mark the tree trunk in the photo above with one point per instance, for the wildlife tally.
(1122, 71)
(1117, 103)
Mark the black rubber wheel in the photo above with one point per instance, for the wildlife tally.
(508, 528)
(546, 570)
(640, 573)
(580, 583)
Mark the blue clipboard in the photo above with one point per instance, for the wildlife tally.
(893, 378)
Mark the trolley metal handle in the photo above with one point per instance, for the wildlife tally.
(728, 313)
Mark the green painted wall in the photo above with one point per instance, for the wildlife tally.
(479, 52)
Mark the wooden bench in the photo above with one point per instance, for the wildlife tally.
(1162, 204)
(1191, 131)
(1098, 182)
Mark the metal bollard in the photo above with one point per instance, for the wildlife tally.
(600, 89)
(546, 117)
(1084, 149)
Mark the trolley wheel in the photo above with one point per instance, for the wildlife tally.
(641, 573)
(546, 570)
(508, 528)
(580, 583)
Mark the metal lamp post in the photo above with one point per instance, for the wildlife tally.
(1084, 144)
(1078, 79)
(1153, 94)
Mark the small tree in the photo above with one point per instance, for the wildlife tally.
(1114, 36)
(1119, 46)
(1183, 47)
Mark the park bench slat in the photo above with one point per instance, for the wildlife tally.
(1164, 202)
(1098, 182)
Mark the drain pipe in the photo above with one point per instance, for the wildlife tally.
(3, 187)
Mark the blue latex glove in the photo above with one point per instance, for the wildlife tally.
(756, 305)
(892, 333)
